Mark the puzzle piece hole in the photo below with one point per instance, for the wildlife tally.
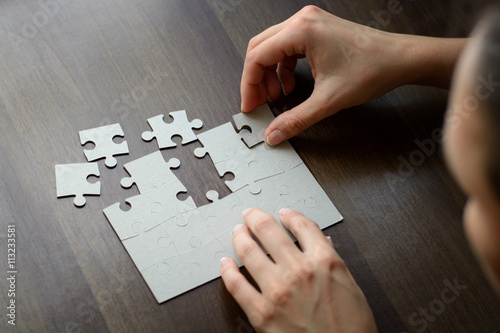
(195, 242)
(163, 268)
(169, 119)
(155, 207)
(118, 139)
(177, 139)
(228, 176)
(89, 145)
(92, 179)
(182, 196)
(164, 242)
(125, 206)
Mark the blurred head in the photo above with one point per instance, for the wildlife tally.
(472, 140)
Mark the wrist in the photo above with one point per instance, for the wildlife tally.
(430, 61)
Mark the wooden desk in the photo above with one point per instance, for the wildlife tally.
(72, 65)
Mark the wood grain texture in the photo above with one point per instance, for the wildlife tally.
(72, 65)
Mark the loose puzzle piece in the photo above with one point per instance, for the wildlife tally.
(150, 172)
(163, 132)
(221, 143)
(102, 137)
(257, 121)
(71, 179)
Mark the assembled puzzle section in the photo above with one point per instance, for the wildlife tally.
(177, 246)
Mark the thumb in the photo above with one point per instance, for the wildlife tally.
(298, 119)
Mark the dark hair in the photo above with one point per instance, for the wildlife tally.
(489, 69)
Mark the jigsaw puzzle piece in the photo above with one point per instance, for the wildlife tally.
(269, 198)
(150, 246)
(213, 219)
(319, 208)
(102, 137)
(260, 162)
(226, 240)
(300, 191)
(163, 132)
(71, 179)
(166, 278)
(220, 143)
(150, 172)
(203, 264)
(149, 209)
(173, 276)
(257, 121)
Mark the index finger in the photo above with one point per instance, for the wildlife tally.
(284, 44)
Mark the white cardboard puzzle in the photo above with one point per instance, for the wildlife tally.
(163, 131)
(102, 137)
(177, 246)
(71, 180)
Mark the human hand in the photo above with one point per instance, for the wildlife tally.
(351, 64)
(301, 290)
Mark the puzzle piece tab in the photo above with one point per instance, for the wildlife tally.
(257, 121)
(163, 132)
(150, 172)
(102, 137)
(71, 179)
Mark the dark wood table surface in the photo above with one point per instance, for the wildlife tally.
(72, 65)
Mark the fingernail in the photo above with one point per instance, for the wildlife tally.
(285, 211)
(245, 212)
(237, 227)
(224, 261)
(275, 138)
(283, 90)
(329, 239)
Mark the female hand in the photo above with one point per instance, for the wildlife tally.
(351, 64)
(301, 290)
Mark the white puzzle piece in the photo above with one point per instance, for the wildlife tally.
(150, 172)
(163, 132)
(220, 143)
(300, 191)
(257, 121)
(262, 161)
(71, 179)
(102, 137)
(150, 246)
